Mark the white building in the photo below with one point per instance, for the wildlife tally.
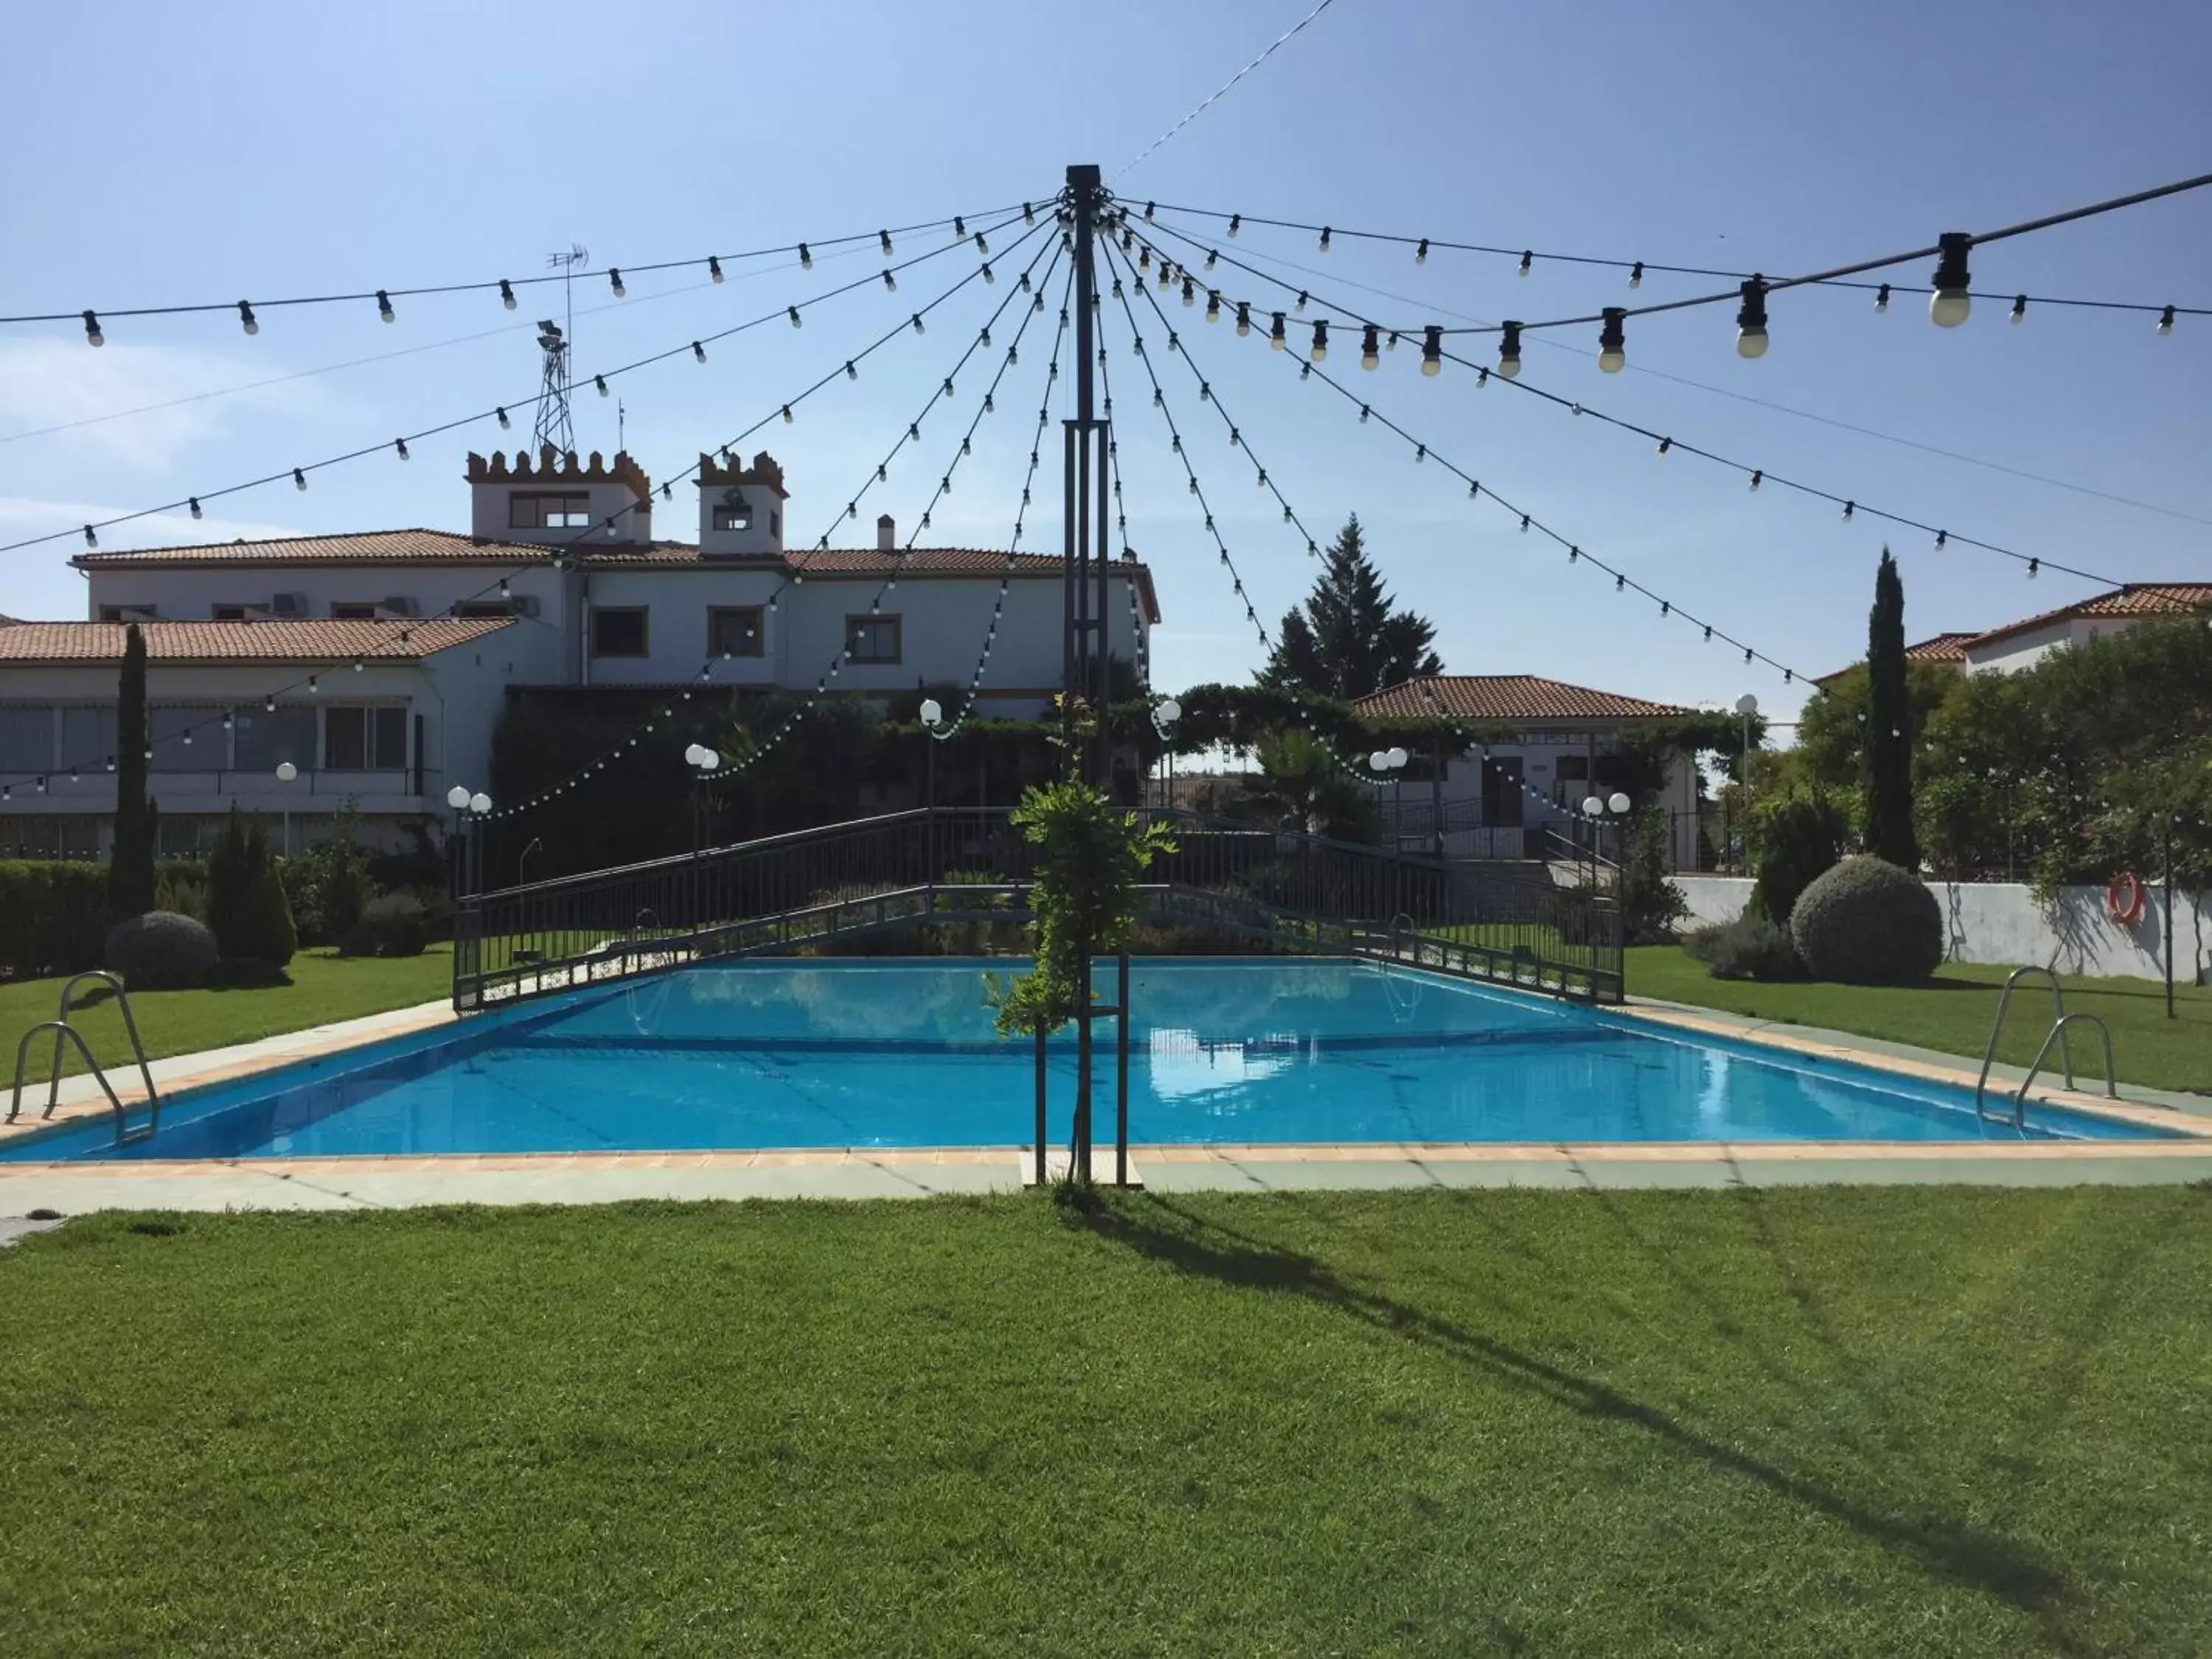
(1557, 744)
(376, 664)
(2023, 644)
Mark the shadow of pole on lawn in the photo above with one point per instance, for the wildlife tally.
(1160, 1230)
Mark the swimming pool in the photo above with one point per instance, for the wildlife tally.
(884, 1053)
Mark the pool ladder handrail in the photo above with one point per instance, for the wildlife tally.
(1997, 1027)
(2057, 1034)
(61, 1027)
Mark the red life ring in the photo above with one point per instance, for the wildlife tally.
(2124, 899)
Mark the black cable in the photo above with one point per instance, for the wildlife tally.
(502, 284)
(1836, 277)
(498, 410)
(1215, 96)
(1758, 475)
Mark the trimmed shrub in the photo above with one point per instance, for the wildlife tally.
(1796, 840)
(392, 925)
(266, 932)
(1750, 947)
(246, 906)
(160, 951)
(53, 916)
(1866, 922)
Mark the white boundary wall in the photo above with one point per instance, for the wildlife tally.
(2001, 921)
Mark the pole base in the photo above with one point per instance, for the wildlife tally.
(1056, 1162)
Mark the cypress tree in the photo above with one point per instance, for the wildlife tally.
(1889, 739)
(1350, 638)
(130, 863)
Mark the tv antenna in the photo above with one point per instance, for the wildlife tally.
(555, 425)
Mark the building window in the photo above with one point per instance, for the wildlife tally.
(111, 613)
(871, 639)
(567, 509)
(733, 515)
(187, 740)
(774, 522)
(365, 739)
(355, 609)
(227, 612)
(618, 632)
(265, 741)
(27, 739)
(734, 630)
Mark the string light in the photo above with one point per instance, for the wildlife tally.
(383, 306)
(1950, 304)
(1324, 236)
(1636, 275)
(1433, 350)
(884, 237)
(698, 351)
(1421, 253)
(1751, 320)
(506, 294)
(93, 336)
(2164, 321)
(1508, 350)
(1528, 258)
(2019, 308)
(246, 319)
(1612, 347)
(1278, 338)
(504, 424)
(890, 283)
(1882, 298)
(1370, 358)
(1320, 353)
(600, 381)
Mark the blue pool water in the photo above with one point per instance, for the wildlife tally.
(902, 1054)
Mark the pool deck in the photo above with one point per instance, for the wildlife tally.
(263, 1184)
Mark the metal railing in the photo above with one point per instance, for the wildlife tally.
(60, 1026)
(967, 863)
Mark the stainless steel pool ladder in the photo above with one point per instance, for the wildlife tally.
(2060, 1021)
(61, 1027)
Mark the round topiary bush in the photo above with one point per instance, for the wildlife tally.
(391, 926)
(160, 951)
(1866, 922)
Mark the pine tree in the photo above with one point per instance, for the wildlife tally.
(1889, 831)
(1349, 639)
(130, 862)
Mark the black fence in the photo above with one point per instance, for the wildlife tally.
(911, 868)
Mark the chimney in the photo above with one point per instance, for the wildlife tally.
(886, 535)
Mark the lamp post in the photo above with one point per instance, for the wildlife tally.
(285, 773)
(1165, 714)
(1611, 809)
(1392, 763)
(1747, 705)
(701, 760)
(536, 845)
(933, 716)
(465, 806)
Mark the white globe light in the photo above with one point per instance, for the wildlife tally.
(1613, 360)
(1396, 757)
(1378, 762)
(1751, 343)
(1167, 713)
(480, 803)
(1592, 806)
(1948, 307)
(1620, 803)
(932, 712)
(708, 760)
(286, 771)
(690, 754)
(1746, 704)
(457, 798)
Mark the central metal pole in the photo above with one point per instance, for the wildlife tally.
(1086, 667)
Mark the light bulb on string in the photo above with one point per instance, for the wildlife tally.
(383, 306)
(1950, 304)
(505, 424)
(193, 502)
(1421, 253)
(1278, 338)
(615, 280)
(890, 283)
(1612, 345)
(1508, 350)
(1665, 445)
(93, 336)
(1528, 259)
(1882, 298)
(1751, 319)
(2019, 308)
(1299, 305)
(1756, 478)
(600, 381)
(1319, 352)
(246, 319)
(1432, 350)
(2165, 320)
(1189, 291)
(698, 351)
(1370, 358)
(1636, 275)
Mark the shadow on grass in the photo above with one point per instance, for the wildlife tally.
(1160, 1230)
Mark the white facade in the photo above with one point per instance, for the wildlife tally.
(587, 603)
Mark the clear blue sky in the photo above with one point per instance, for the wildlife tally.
(163, 153)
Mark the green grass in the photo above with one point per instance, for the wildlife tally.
(325, 987)
(1954, 1011)
(1955, 1422)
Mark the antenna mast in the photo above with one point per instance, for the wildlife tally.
(555, 425)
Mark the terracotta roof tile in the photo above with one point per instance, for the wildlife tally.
(2135, 600)
(303, 641)
(1941, 648)
(1508, 697)
(360, 547)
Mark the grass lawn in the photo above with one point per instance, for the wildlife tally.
(1956, 1422)
(1954, 1011)
(325, 987)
